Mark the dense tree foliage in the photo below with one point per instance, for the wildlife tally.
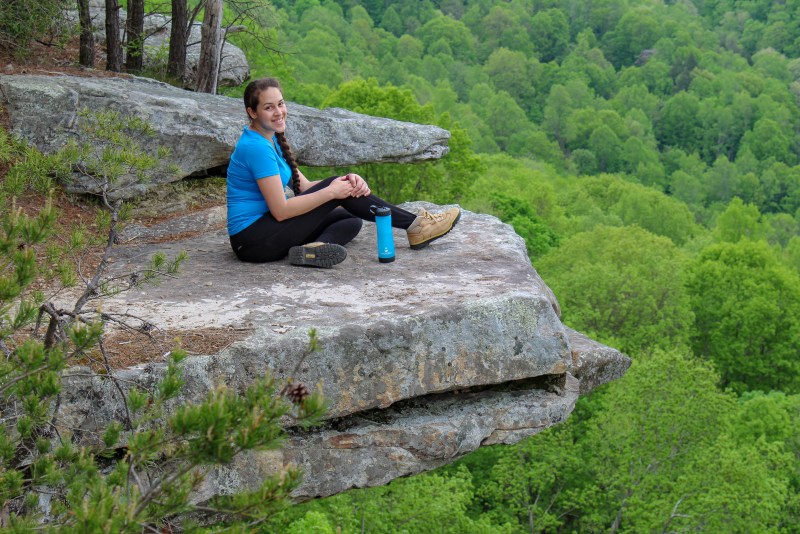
(648, 153)
(620, 87)
(620, 285)
(747, 315)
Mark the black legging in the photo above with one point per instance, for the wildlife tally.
(337, 221)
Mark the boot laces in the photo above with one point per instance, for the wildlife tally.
(435, 217)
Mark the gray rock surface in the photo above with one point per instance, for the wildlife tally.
(422, 360)
(417, 436)
(200, 129)
(233, 71)
(593, 363)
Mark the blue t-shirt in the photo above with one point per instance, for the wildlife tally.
(253, 158)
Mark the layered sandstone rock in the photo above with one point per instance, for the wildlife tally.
(200, 130)
(423, 360)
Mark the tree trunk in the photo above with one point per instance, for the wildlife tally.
(86, 55)
(530, 520)
(210, 45)
(135, 30)
(177, 40)
(618, 520)
(113, 45)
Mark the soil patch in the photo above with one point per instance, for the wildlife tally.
(127, 348)
(55, 58)
(123, 348)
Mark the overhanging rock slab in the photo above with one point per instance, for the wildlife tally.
(422, 360)
(201, 130)
(414, 436)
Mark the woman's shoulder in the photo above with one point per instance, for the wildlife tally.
(249, 137)
(253, 143)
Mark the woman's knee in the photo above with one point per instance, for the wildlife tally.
(342, 231)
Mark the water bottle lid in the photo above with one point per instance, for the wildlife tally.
(379, 211)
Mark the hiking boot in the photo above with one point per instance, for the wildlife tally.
(317, 254)
(428, 227)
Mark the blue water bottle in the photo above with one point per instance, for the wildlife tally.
(383, 222)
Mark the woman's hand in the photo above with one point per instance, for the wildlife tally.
(360, 187)
(341, 187)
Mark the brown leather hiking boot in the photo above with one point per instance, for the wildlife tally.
(428, 227)
(317, 254)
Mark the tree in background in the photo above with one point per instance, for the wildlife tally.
(656, 435)
(746, 305)
(613, 201)
(430, 502)
(442, 181)
(134, 28)
(539, 238)
(768, 139)
(622, 286)
(210, 47)
(769, 421)
(536, 481)
(679, 122)
(86, 55)
(180, 26)
(113, 43)
(740, 221)
(549, 32)
(636, 31)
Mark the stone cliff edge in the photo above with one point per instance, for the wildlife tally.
(423, 360)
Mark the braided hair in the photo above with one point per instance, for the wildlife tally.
(251, 95)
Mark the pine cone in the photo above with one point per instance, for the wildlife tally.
(297, 392)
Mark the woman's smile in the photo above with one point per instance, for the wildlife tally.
(279, 122)
(270, 116)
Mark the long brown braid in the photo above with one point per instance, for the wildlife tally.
(251, 95)
(289, 157)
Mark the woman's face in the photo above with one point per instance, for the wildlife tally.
(270, 116)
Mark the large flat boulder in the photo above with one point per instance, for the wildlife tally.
(201, 130)
(422, 360)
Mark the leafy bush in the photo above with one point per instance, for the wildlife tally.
(538, 236)
(140, 476)
(22, 21)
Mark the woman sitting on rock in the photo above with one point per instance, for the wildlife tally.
(313, 222)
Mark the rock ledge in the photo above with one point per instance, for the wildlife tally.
(423, 360)
(201, 130)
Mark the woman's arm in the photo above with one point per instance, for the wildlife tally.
(304, 183)
(282, 208)
(360, 187)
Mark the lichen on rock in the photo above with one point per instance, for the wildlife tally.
(201, 130)
(422, 360)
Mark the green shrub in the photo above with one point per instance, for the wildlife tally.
(23, 21)
(141, 476)
(538, 236)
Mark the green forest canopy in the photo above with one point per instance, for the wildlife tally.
(648, 153)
